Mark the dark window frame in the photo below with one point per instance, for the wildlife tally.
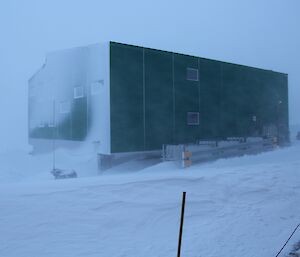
(193, 118)
(189, 74)
(78, 92)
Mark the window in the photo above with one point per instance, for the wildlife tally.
(51, 125)
(96, 87)
(192, 74)
(193, 118)
(64, 107)
(78, 92)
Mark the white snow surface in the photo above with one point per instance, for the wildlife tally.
(245, 206)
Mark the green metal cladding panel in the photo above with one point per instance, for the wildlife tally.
(126, 98)
(186, 99)
(210, 97)
(70, 126)
(151, 96)
(79, 122)
(64, 129)
(236, 103)
(158, 87)
(275, 102)
(248, 92)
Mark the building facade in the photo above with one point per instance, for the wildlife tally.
(126, 98)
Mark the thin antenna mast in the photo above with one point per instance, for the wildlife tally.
(53, 136)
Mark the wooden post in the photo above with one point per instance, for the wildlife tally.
(181, 223)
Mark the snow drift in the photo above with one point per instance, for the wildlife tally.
(244, 206)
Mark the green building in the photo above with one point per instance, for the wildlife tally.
(123, 98)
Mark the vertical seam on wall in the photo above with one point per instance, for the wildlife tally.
(109, 94)
(174, 107)
(144, 100)
(87, 93)
(220, 100)
(71, 122)
(287, 100)
(199, 84)
(199, 97)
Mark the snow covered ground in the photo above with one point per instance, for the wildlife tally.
(245, 206)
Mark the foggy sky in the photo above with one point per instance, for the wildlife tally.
(264, 34)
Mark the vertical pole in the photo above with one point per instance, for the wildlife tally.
(288, 240)
(53, 136)
(181, 224)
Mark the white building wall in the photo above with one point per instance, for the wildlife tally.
(85, 68)
(98, 80)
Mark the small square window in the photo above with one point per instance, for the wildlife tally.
(96, 87)
(51, 125)
(78, 92)
(64, 107)
(193, 118)
(192, 74)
